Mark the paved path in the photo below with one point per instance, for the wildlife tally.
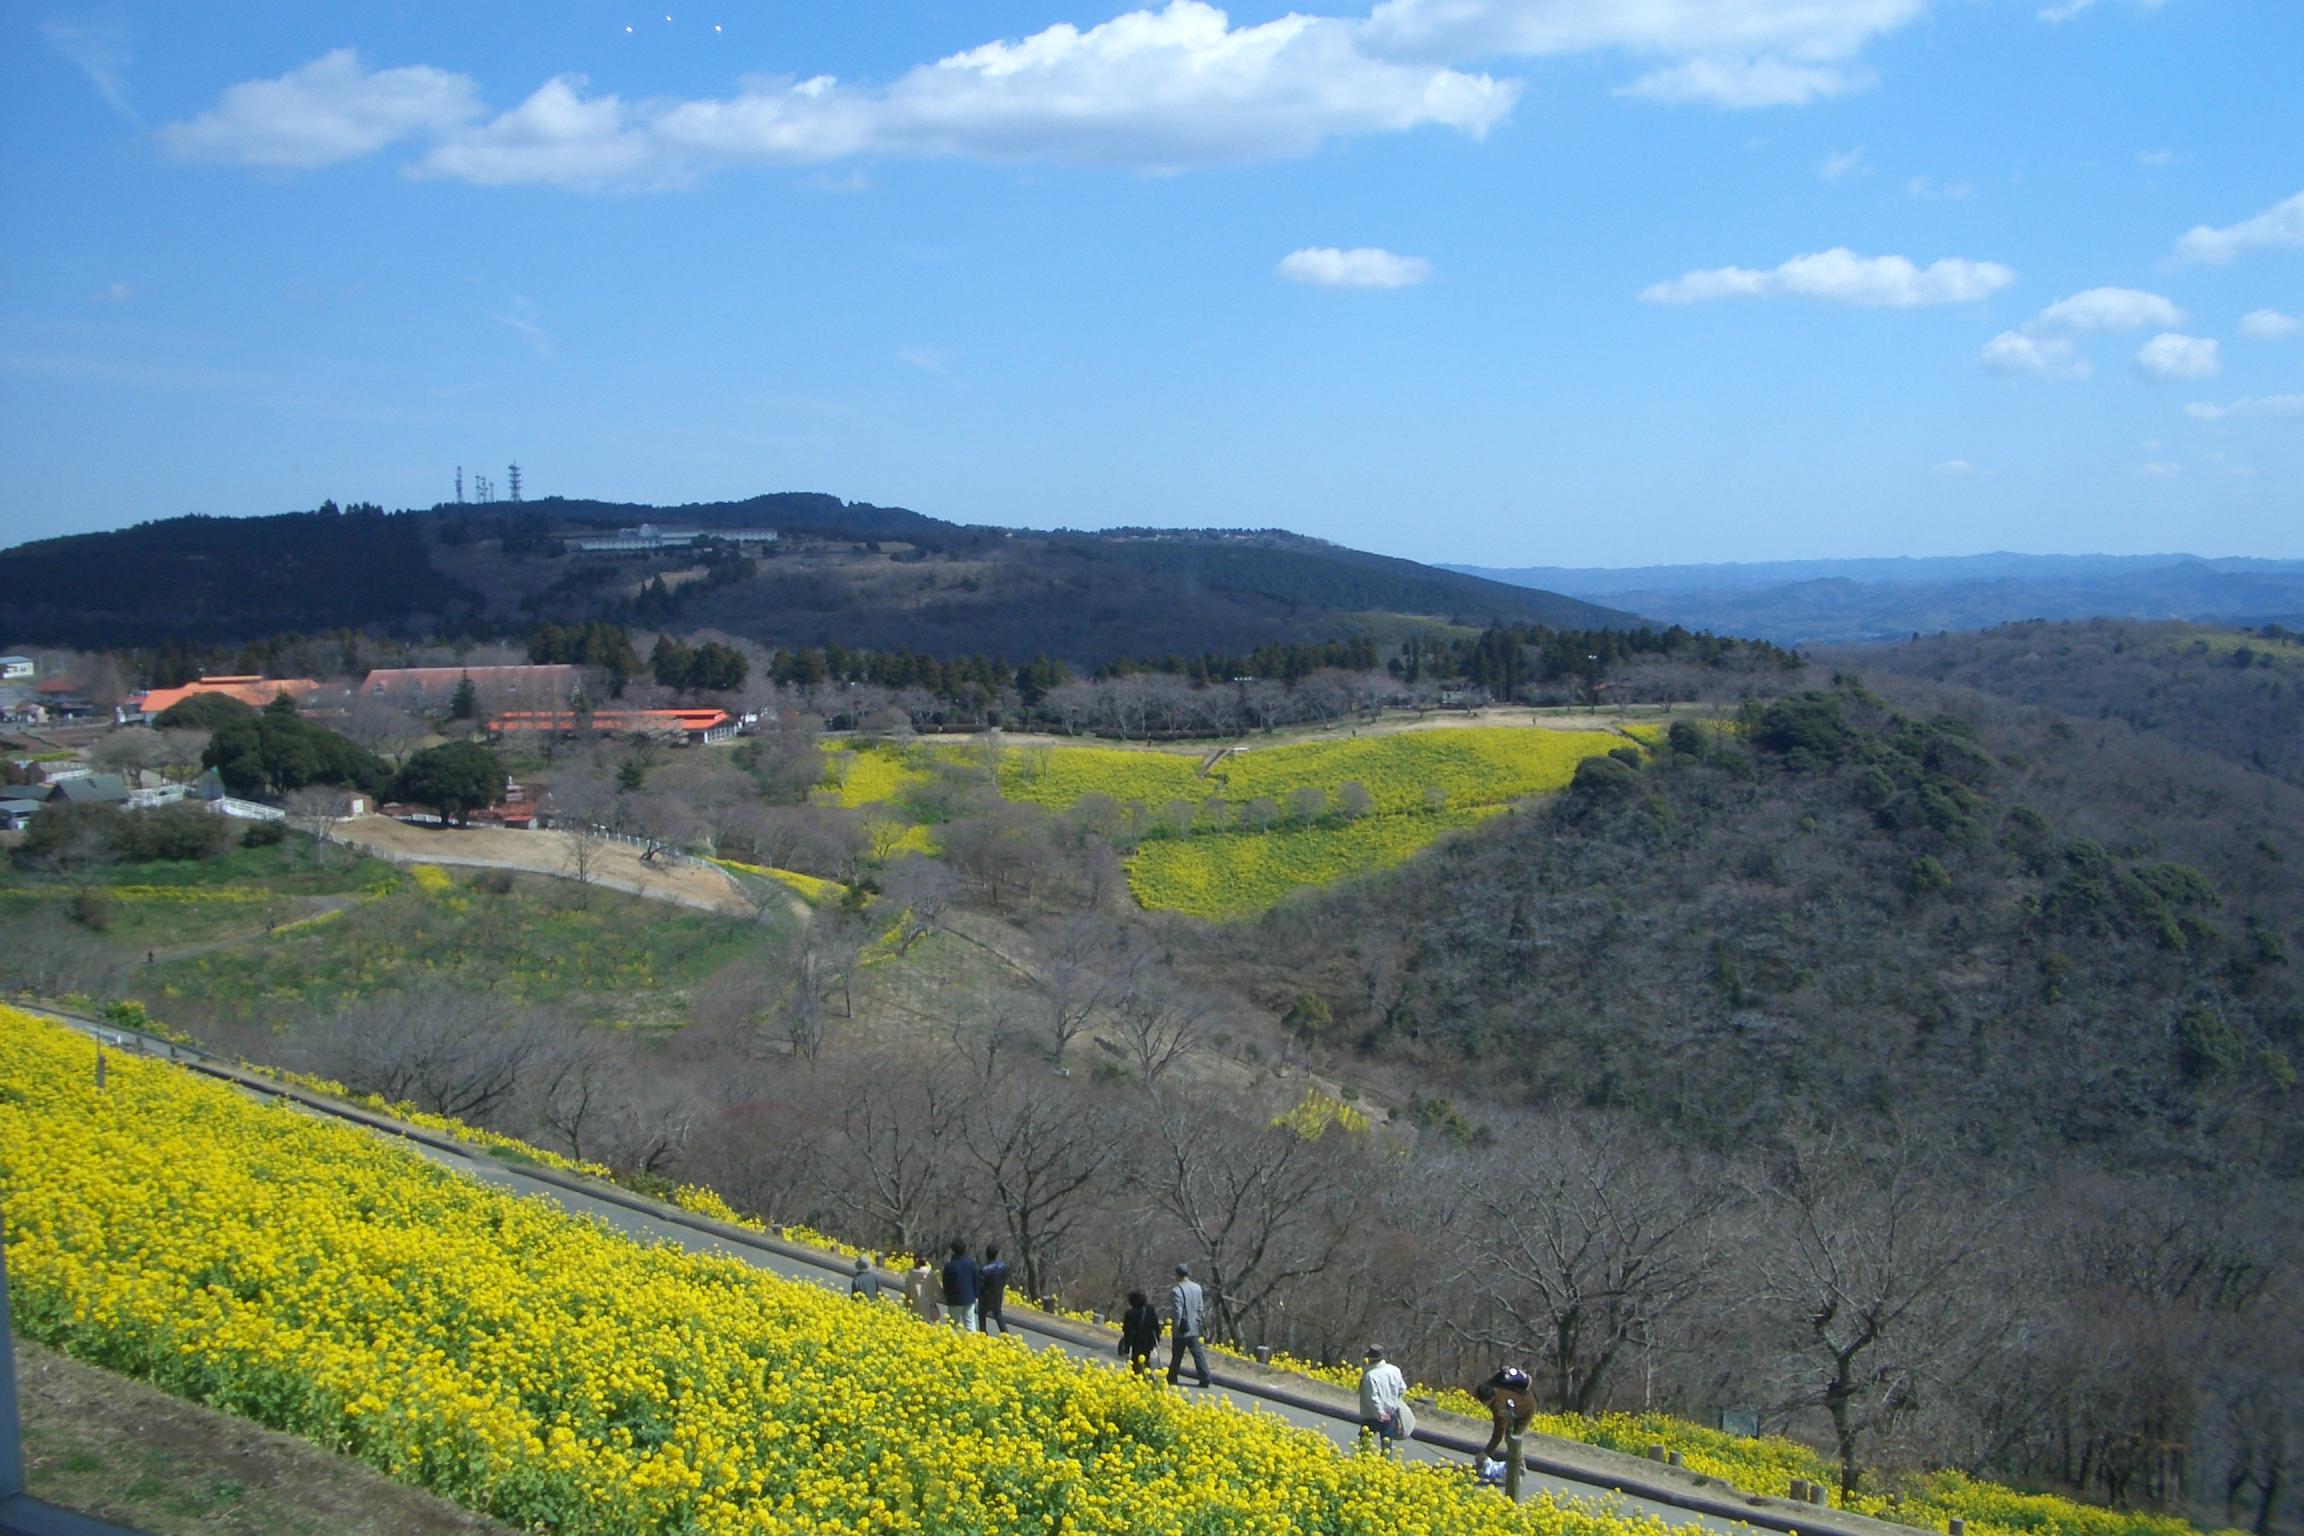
(1562, 1468)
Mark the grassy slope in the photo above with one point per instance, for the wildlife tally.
(541, 941)
(112, 1447)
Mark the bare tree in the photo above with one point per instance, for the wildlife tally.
(1159, 1024)
(1084, 963)
(1868, 1276)
(922, 887)
(384, 728)
(180, 753)
(316, 810)
(1261, 1205)
(1579, 1240)
(451, 1053)
(887, 1160)
(128, 751)
(1044, 1157)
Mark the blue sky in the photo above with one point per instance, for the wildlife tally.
(1573, 282)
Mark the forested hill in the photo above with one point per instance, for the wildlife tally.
(2239, 695)
(844, 573)
(230, 579)
(2037, 938)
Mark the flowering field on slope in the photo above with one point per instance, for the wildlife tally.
(1238, 874)
(1468, 766)
(532, 1365)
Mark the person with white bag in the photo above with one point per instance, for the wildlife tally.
(1384, 1409)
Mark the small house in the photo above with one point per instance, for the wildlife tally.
(92, 789)
(14, 814)
(16, 669)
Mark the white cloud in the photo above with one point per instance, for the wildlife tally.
(559, 137)
(327, 111)
(1850, 162)
(99, 51)
(2159, 469)
(2016, 354)
(1953, 469)
(2172, 356)
(2267, 325)
(1748, 82)
(524, 323)
(2160, 159)
(2281, 407)
(1840, 276)
(2107, 309)
(922, 358)
(113, 293)
(2064, 10)
(1149, 90)
(2041, 349)
(1929, 190)
(1366, 267)
(1735, 53)
(2281, 225)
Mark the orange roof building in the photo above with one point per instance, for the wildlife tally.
(253, 691)
(699, 727)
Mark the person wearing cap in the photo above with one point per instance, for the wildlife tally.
(1511, 1400)
(1384, 1400)
(864, 1285)
(1187, 1315)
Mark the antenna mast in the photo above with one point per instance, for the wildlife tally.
(512, 473)
(459, 485)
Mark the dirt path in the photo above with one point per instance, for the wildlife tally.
(615, 866)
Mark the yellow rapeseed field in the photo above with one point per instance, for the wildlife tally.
(1238, 874)
(535, 1366)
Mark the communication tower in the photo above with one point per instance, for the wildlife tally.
(512, 473)
(459, 485)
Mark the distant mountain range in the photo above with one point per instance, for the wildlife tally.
(846, 573)
(1840, 602)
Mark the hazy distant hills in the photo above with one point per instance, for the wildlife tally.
(1818, 602)
(846, 573)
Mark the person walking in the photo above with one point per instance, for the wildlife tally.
(991, 1291)
(1139, 1332)
(864, 1284)
(920, 1290)
(960, 1288)
(1384, 1410)
(1511, 1400)
(1187, 1315)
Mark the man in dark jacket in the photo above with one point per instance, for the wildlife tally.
(960, 1288)
(991, 1290)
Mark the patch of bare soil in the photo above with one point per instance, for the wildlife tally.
(616, 866)
(112, 1447)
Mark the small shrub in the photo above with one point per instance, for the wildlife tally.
(91, 908)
